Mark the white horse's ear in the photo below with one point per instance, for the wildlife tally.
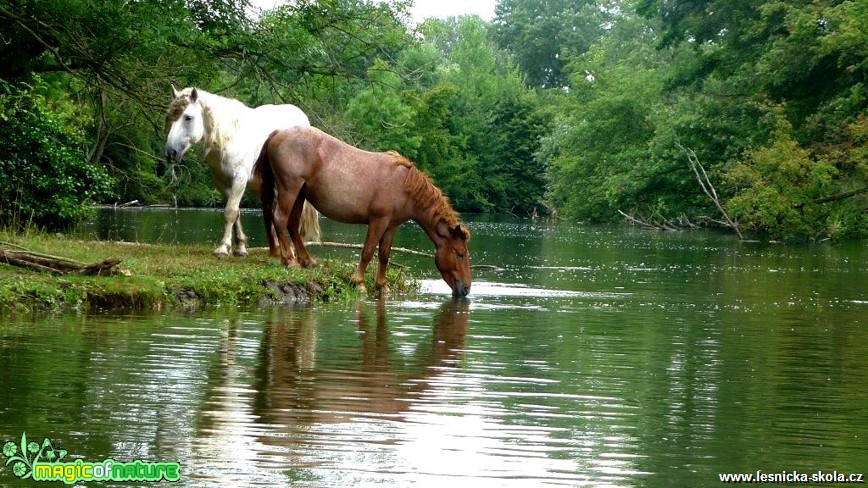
(175, 92)
(194, 95)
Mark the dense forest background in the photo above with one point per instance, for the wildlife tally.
(748, 115)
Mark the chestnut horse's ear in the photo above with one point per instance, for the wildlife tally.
(460, 232)
(194, 95)
(175, 92)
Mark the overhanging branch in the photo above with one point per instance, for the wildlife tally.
(707, 187)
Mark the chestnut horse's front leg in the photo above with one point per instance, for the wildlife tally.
(376, 228)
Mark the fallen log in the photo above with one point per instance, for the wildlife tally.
(359, 246)
(57, 265)
(344, 245)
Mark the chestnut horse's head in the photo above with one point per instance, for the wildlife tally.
(453, 259)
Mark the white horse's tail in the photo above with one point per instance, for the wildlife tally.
(309, 225)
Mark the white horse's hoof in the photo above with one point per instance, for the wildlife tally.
(241, 252)
(221, 252)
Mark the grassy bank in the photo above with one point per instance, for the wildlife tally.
(167, 276)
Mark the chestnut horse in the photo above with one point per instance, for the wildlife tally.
(353, 186)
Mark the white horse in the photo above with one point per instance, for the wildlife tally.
(233, 135)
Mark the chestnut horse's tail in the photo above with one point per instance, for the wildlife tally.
(263, 174)
(308, 228)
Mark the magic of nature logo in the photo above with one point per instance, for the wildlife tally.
(45, 462)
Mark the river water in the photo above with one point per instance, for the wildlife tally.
(592, 356)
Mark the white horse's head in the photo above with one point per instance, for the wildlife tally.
(185, 123)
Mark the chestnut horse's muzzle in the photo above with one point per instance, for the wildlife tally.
(459, 289)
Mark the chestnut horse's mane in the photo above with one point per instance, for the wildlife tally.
(427, 196)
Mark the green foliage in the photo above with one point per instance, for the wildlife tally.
(774, 88)
(44, 174)
(769, 95)
(383, 118)
(513, 180)
(784, 189)
(602, 156)
(543, 34)
(482, 124)
(777, 187)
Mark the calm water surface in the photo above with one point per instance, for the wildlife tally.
(591, 357)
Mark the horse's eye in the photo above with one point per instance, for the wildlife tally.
(188, 118)
(460, 254)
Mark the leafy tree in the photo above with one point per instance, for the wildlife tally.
(779, 182)
(382, 118)
(513, 180)
(543, 34)
(487, 92)
(440, 146)
(119, 57)
(600, 156)
(45, 178)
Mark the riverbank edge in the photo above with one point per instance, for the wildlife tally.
(159, 277)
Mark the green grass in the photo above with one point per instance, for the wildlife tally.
(166, 276)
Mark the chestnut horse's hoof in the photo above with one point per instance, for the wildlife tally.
(309, 263)
(289, 263)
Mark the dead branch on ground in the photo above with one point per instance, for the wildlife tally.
(58, 265)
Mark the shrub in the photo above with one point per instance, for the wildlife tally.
(45, 178)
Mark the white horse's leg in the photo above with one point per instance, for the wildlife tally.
(230, 216)
(240, 238)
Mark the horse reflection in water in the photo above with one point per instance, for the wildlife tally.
(263, 412)
(379, 381)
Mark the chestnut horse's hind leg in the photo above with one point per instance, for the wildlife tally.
(295, 233)
(262, 183)
(383, 253)
(376, 228)
(267, 199)
(286, 198)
